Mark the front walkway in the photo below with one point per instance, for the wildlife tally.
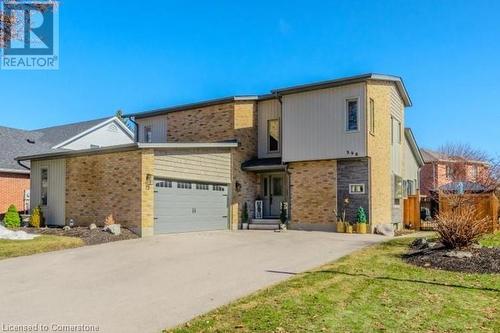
(144, 285)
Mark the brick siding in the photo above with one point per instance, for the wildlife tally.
(12, 187)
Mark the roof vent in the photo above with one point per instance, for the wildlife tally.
(30, 141)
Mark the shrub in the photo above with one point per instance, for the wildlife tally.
(361, 215)
(244, 213)
(109, 220)
(460, 227)
(36, 217)
(11, 218)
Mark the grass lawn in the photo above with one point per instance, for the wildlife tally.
(44, 243)
(492, 240)
(372, 290)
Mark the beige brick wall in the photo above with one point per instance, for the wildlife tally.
(227, 121)
(313, 191)
(106, 184)
(379, 151)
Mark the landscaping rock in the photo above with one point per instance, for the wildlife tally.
(66, 228)
(385, 229)
(92, 226)
(420, 243)
(458, 254)
(114, 229)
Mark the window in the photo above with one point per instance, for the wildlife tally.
(273, 133)
(356, 188)
(352, 115)
(163, 183)
(148, 134)
(395, 130)
(449, 171)
(201, 186)
(184, 185)
(372, 116)
(277, 186)
(218, 188)
(474, 172)
(398, 189)
(44, 184)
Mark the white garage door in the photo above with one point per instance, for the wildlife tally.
(182, 206)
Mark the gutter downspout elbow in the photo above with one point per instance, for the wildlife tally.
(24, 166)
(136, 134)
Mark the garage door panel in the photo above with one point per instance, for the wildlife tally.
(183, 209)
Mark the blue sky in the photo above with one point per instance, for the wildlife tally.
(138, 55)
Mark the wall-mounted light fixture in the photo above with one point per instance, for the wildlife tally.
(237, 186)
(149, 180)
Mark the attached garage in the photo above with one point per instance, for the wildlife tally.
(191, 190)
(183, 206)
(147, 188)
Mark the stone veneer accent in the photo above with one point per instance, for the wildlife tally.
(229, 121)
(313, 194)
(353, 171)
(114, 184)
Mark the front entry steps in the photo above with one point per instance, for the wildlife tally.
(264, 224)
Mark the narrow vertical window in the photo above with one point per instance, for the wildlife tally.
(44, 184)
(352, 115)
(148, 134)
(273, 132)
(372, 116)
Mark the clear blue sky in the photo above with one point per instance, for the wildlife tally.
(139, 55)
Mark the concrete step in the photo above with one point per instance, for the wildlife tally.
(265, 221)
(263, 226)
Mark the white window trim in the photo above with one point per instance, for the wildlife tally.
(358, 184)
(346, 115)
(269, 151)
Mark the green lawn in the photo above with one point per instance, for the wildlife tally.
(372, 290)
(44, 243)
(492, 240)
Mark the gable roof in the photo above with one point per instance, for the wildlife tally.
(283, 91)
(17, 142)
(432, 156)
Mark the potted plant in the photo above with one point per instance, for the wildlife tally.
(348, 228)
(361, 219)
(244, 216)
(283, 216)
(341, 220)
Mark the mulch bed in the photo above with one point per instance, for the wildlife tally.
(89, 237)
(483, 260)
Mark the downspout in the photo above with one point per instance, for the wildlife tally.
(24, 166)
(287, 172)
(136, 134)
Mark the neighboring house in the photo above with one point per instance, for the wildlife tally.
(440, 172)
(197, 166)
(15, 178)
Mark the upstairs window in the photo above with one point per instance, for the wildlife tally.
(273, 132)
(395, 131)
(148, 134)
(449, 171)
(474, 172)
(352, 115)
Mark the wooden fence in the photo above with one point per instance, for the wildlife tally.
(486, 204)
(411, 211)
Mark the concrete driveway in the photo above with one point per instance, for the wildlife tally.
(145, 285)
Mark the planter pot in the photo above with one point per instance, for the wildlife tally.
(283, 226)
(361, 228)
(348, 229)
(244, 226)
(340, 227)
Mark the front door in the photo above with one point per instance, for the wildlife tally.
(273, 195)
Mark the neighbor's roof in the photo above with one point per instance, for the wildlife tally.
(16, 142)
(283, 91)
(432, 156)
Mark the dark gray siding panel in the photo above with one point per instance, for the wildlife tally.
(352, 172)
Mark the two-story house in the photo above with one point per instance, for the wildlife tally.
(320, 148)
